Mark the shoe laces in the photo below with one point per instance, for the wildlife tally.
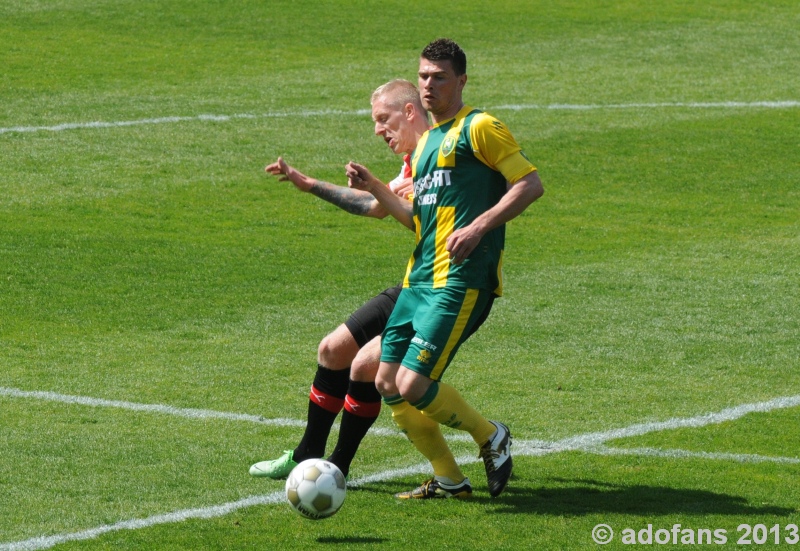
(426, 486)
(489, 455)
(424, 489)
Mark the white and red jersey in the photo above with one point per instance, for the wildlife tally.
(405, 172)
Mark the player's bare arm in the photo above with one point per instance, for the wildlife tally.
(353, 201)
(349, 200)
(519, 196)
(360, 178)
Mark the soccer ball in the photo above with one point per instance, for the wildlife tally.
(316, 488)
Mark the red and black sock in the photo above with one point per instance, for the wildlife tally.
(325, 401)
(361, 407)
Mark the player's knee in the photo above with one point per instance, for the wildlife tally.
(327, 353)
(366, 363)
(364, 369)
(385, 388)
(412, 386)
(337, 350)
(405, 393)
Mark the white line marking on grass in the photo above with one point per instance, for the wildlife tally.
(790, 104)
(46, 542)
(587, 441)
(688, 105)
(189, 413)
(680, 454)
(590, 443)
(172, 120)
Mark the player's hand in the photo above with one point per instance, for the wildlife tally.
(278, 168)
(287, 173)
(358, 177)
(405, 188)
(462, 242)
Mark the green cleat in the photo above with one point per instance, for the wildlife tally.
(277, 468)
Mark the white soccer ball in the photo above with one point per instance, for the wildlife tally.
(316, 488)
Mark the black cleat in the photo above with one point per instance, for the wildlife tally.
(496, 455)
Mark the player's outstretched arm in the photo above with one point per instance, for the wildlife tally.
(350, 200)
(360, 178)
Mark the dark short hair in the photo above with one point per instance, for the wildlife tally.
(444, 48)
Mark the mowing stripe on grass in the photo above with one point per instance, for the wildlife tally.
(591, 443)
(790, 104)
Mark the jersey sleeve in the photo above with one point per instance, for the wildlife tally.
(494, 145)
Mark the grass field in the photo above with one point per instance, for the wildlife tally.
(161, 298)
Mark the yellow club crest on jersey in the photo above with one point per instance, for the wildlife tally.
(424, 356)
(448, 146)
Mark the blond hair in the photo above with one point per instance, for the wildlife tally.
(397, 93)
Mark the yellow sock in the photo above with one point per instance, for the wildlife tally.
(426, 435)
(449, 408)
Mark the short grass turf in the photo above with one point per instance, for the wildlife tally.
(146, 258)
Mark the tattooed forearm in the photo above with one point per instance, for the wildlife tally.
(343, 197)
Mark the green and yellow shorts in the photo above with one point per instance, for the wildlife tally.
(427, 327)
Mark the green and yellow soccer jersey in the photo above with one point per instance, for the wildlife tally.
(461, 169)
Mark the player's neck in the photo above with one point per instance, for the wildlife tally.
(448, 114)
